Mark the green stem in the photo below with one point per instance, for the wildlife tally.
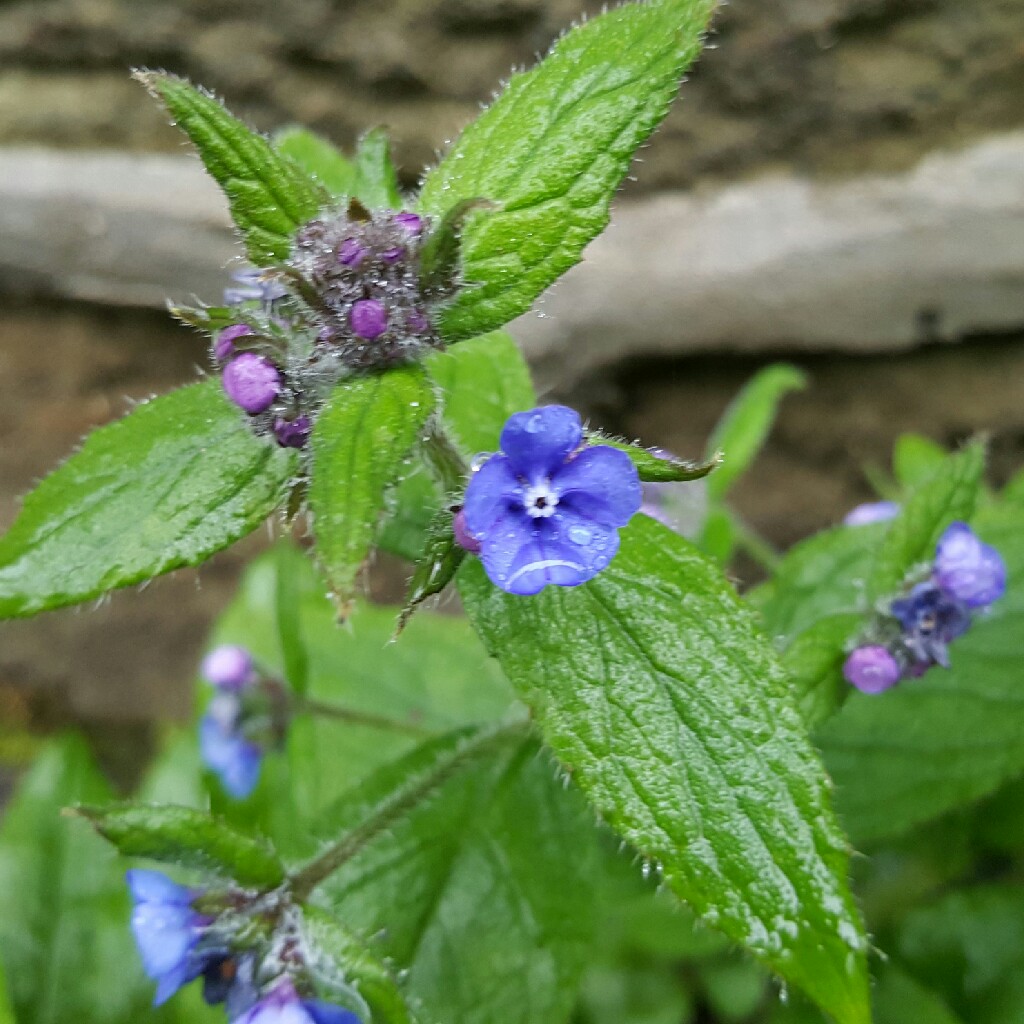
(397, 804)
(355, 717)
(444, 458)
(755, 545)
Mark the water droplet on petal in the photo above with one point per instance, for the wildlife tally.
(534, 423)
(579, 534)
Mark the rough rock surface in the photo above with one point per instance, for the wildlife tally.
(877, 262)
(823, 84)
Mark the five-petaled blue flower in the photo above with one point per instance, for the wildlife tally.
(223, 744)
(282, 1005)
(547, 509)
(167, 930)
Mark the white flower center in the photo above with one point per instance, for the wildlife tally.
(540, 499)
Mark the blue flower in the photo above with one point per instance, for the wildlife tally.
(224, 747)
(931, 620)
(968, 570)
(546, 509)
(167, 930)
(282, 1005)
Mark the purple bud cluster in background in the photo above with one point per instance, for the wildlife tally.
(178, 944)
(233, 732)
(967, 575)
(547, 508)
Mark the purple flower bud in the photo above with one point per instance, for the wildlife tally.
(463, 537)
(412, 222)
(292, 433)
(351, 253)
(871, 512)
(252, 382)
(872, 669)
(283, 1005)
(229, 666)
(226, 340)
(368, 319)
(393, 255)
(968, 570)
(417, 321)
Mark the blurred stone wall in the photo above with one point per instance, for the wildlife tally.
(812, 95)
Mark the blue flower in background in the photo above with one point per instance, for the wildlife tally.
(968, 570)
(547, 509)
(223, 744)
(167, 930)
(282, 1005)
(931, 620)
(871, 512)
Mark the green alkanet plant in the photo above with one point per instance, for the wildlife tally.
(362, 365)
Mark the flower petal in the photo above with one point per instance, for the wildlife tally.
(968, 570)
(537, 442)
(493, 491)
(327, 1013)
(600, 483)
(164, 933)
(155, 887)
(234, 759)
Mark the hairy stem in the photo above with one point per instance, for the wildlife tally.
(356, 717)
(399, 803)
(444, 458)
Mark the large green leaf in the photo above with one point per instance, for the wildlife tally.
(744, 426)
(374, 182)
(172, 483)
(946, 739)
(672, 713)
(270, 195)
(361, 446)
(481, 892)
(318, 158)
(64, 938)
(950, 493)
(186, 836)
(552, 150)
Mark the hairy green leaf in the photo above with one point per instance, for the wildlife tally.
(269, 194)
(744, 426)
(814, 661)
(186, 836)
(318, 158)
(566, 132)
(673, 715)
(949, 494)
(375, 184)
(169, 485)
(655, 468)
(946, 739)
(361, 444)
(488, 873)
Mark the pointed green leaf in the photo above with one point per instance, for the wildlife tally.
(566, 132)
(814, 661)
(186, 836)
(318, 158)
(949, 494)
(674, 717)
(172, 483)
(435, 568)
(270, 195)
(65, 944)
(361, 443)
(356, 967)
(947, 739)
(375, 184)
(489, 874)
(655, 468)
(744, 426)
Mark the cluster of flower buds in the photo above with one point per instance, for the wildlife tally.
(352, 297)
(247, 948)
(547, 508)
(915, 632)
(247, 716)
